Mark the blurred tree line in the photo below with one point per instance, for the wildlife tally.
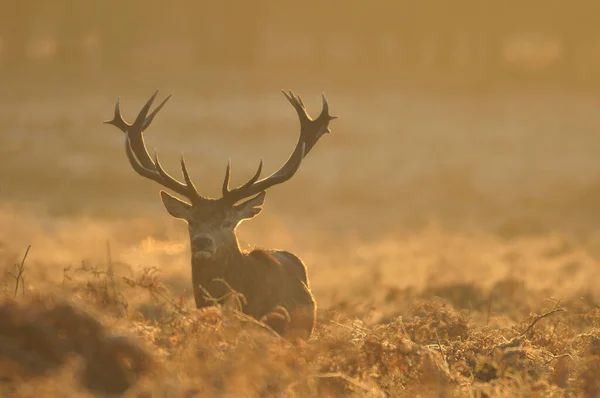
(462, 39)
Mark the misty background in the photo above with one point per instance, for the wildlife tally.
(468, 114)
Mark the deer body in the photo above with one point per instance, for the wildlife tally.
(267, 280)
(274, 284)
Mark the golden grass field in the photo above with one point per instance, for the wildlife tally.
(451, 242)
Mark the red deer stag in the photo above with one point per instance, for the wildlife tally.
(274, 282)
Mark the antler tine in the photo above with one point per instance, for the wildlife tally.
(255, 177)
(150, 118)
(135, 132)
(117, 119)
(140, 120)
(246, 185)
(325, 112)
(297, 103)
(314, 130)
(122, 124)
(225, 189)
(144, 165)
(188, 189)
(297, 98)
(193, 192)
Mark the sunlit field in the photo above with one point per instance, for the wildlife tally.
(450, 234)
(453, 254)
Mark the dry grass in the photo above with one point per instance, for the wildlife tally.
(445, 264)
(133, 330)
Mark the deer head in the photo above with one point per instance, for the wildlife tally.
(212, 221)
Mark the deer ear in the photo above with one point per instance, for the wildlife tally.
(251, 207)
(176, 207)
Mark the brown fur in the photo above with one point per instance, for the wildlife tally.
(268, 280)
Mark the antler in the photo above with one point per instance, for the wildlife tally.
(139, 158)
(310, 132)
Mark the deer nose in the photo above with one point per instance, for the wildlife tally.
(202, 243)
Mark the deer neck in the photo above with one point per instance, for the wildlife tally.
(224, 264)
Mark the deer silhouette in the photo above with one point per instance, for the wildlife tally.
(274, 283)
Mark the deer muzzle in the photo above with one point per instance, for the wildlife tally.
(202, 247)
